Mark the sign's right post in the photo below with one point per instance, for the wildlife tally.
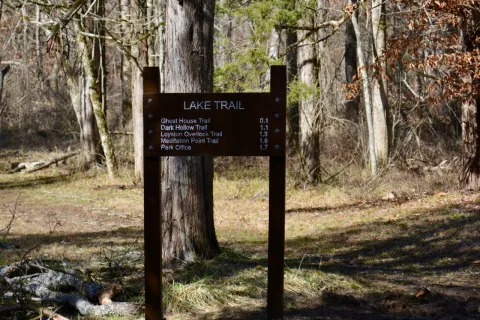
(276, 222)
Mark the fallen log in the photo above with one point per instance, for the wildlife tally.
(29, 167)
(41, 282)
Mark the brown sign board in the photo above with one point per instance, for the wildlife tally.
(214, 124)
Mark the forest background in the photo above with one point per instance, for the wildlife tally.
(381, 93)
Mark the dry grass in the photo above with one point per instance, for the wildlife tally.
(346, 248)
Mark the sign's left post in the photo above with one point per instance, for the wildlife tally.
(152, 202)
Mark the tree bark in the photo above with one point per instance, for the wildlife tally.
(308, 107)
(78, 91)
(137, 121)
(471, 144)
(138, 50)
(470, 113)
(379, 81)
(366, 91)
(99, 47)
(137, 115)
(26, 47)
(3, 73)
(151, 25)
(187, 184)
(160, 43)
(38, 50)
(125, 64)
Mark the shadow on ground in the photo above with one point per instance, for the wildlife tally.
(438, 249)
(390, 259)
(35, 181)
(385, 306)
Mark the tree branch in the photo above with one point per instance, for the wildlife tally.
(63, 21)
(335, 24)
(40, 284)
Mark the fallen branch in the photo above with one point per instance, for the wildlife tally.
(29, 167)
(40, 281)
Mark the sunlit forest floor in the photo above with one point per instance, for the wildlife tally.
(356, 248)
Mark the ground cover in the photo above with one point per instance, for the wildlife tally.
(356, 249)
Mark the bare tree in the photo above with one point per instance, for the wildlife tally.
(366, 87)
(308, 108)
(379, 81)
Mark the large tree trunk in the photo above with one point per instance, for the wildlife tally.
(187, 184)
(366, 91)
(379, 82)
(308, 109)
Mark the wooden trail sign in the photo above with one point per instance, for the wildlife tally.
(214, 124)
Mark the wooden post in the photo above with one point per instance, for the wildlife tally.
(276, 222)
(152, 205)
